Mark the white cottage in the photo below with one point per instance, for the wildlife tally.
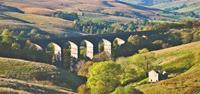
(155, 76)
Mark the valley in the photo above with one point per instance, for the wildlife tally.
(99, 46)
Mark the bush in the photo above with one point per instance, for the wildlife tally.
(83, 89)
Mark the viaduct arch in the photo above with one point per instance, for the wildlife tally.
(91, 41)
(57, 52)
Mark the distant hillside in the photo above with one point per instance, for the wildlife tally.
(149, 2)
(40, 14)
(32, 77)
(181, 6)
(187, 7)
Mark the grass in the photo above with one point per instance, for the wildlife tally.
(181, 63)
(166, 5)
(185, 83)
(189, 8)
(181, 6)
(49, 24)
(12, 91)
(37, 14)
(14, 85)
(15, 71)
(89, 8)
(179, 57)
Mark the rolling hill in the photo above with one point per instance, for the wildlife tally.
(181, 63)
(180, 6)
(20, 76)
(38, 14)
(148, 2)
(185, 83)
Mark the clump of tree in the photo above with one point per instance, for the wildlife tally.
(66, 15)
(18, 46)
(102, 27)
(169, 34)
(24, 34)
(109, 77)
(104, 84)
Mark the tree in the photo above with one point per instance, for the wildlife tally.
(116, 27)
(28, 44)
(32, 33)
(103, 56)
(83, 89)
(16, 46)
(173, 38)
(131, 27)
(7, 40)
(22, 35)
(144, 50)
(84, 68)
(186, 37)
(6, 32)
(157, 44)
(191, 23)
(66, 15)
(7, 37)
(196, 36)
(50, 51)
(104, 77)
(66, 58)
(148, 58)
(134, 40)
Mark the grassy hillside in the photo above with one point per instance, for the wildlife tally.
(181, 63)
(185, 83)
(149, 2)
(172, 4)
(180, 6)
(190, 8)
(45, 23)
(170, 59)
(32, 77)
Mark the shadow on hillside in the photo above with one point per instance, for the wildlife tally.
(107, 4)
(139, 15)
(137, 6)
(4, 8)
(35, 88)
(136, 91)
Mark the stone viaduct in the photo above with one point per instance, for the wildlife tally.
(91, 42)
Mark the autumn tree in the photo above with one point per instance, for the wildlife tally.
(7, 37)
(104, 77)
